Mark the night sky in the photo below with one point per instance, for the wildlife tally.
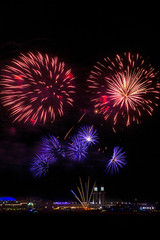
(80, 35)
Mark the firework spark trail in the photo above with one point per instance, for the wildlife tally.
(85, 198)
(124, 88)
(74, 125)
(37, 88)
(117, 161)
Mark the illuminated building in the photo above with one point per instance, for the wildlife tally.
(99, 195)
(8, 204)
(7, 199)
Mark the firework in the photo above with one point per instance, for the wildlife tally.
(77, 150)
(124, 88)
(37, 88)
(52, 147)
(40, 165)
(85, 198)
(117, 161)
(88, 134)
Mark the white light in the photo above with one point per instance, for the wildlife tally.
(102, 188)
(88, 139)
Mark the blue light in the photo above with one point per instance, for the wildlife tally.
(4, 199)
(62, 203)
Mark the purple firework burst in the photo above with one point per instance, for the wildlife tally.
(117, 161)
(88, 134)
(40, 165)
(77, 150)
(52, 147)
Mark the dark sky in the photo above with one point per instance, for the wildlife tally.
(81, 35)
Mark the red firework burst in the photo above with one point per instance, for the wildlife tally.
(124, 88)
(36, 87)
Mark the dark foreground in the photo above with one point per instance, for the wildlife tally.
(80, 224)
(120, 218)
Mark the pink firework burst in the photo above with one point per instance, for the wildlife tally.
(37, 87)
(124, 88)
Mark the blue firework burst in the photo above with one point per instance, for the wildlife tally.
(77, 150)
(52, 147)
(88, 134)
(40, 165)
(117, 161)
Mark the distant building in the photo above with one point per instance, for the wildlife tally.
(99, 195)
(10, 204)
(7, 199)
